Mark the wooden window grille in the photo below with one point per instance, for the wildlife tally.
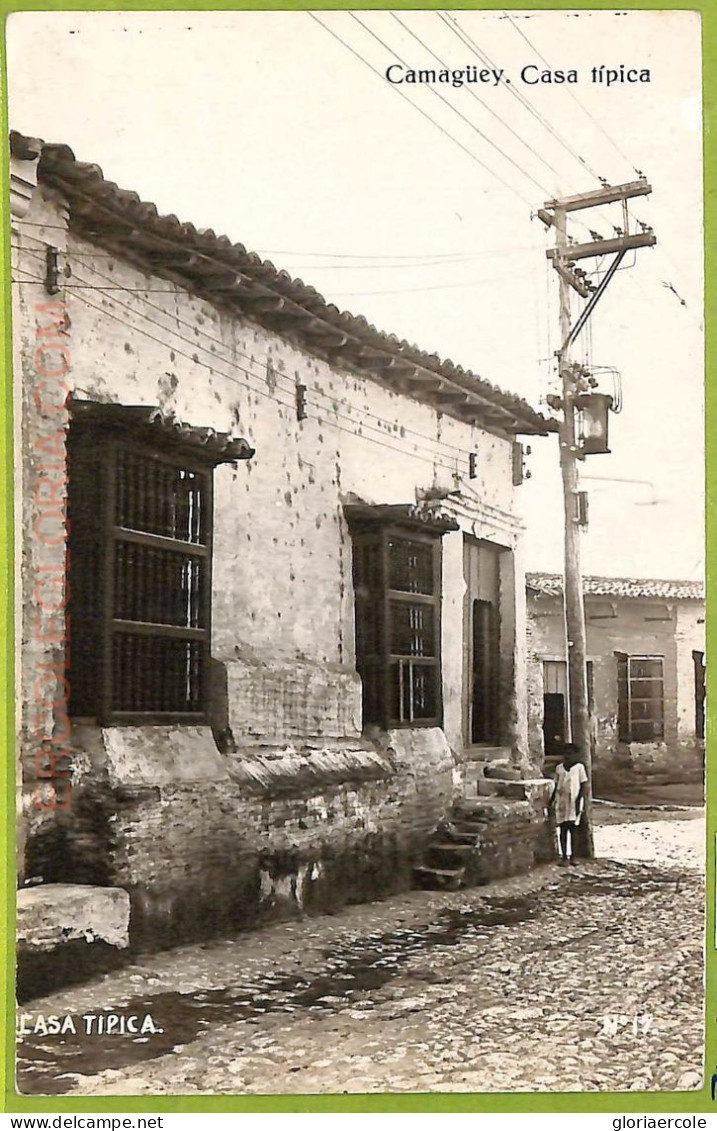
(641, 700)
(397, 587)
(140, 581)
(140, 556)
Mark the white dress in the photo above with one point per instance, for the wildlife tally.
(568, 784)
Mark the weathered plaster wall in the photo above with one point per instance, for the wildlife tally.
(689, 637)
(282, 555)
(283, 632)
(639, 627)
(206, 844)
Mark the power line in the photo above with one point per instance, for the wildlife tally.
(316, 254)
(417, 290)
(598, 125)
(218, 341)
(574, 97)
(468, 152)
(429, 455)
(430, 257)
(485, 105)
(446, 261)
(452, 22)
(353, 255)
(454, 109)
(134, 290)
(433, 460)
(336, 294)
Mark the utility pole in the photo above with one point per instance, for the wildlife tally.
(576, 638)
(574, 398)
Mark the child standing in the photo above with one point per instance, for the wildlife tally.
(568, 799)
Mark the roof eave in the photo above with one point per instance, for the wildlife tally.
(233, 278)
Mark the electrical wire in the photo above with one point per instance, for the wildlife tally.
(574, 97)
(134, 290)
(468, 152)
(335, 294)
(316, 254)
(419, 265)
(218, 341)
(434, 461)
(454, 109)
(598, 125)
(484, 104)
(468, 41)
(358, 431)
(431, 457)
(385, 255)
(416, 290)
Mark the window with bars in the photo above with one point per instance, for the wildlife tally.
(641, 700)
(140, 518)
(397, 587)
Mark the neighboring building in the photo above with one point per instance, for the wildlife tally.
(288, 549)
(646, 676)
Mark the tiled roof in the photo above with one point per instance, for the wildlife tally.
(153, 424)
(234, 278)
(551, 585)
(400, 514)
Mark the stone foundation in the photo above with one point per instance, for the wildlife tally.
(629, 765)
(66, 933)
(208, 843)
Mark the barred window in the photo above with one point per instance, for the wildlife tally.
(397, 587)
(139, 574)
(641, 707)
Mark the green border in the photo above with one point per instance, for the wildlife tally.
(615, 1102)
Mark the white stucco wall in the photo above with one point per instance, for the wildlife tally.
(282, 596)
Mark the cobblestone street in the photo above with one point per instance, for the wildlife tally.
(573, 979)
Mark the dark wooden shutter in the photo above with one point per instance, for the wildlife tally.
(140, 577)
(623, 698)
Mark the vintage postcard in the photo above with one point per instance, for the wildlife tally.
(360, 706)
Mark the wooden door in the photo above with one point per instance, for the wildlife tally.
(481, 643)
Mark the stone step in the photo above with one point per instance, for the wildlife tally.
(479, 830)
(482, 754)
(442, 879)
(488, 787)
(473, 774)
(503, 771)
(467, 838)
(449, 855)
(490, 808)
(513, 790)
(477, 808)
(68, 933)
(461, 828)
(448, 872)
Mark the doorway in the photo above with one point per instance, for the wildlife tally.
(481, 569)
(484, 696)
(555, 706)
(556, 727)
(698, 659)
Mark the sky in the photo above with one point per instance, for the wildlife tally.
(414, 204)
